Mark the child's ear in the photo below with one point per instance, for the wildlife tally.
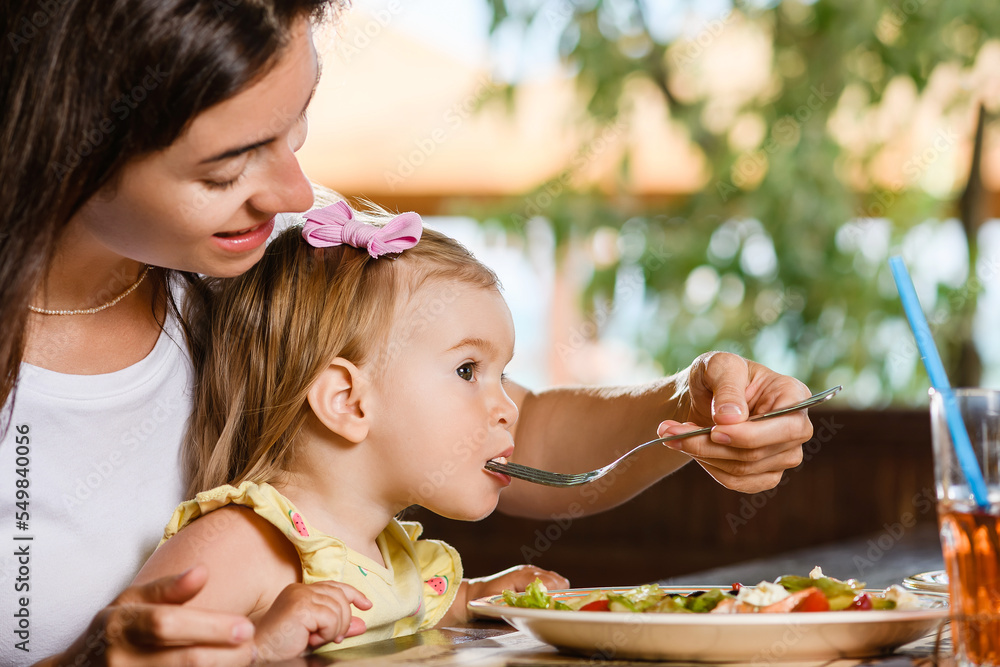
(338, 399)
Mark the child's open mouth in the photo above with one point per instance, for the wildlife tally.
(503, 477)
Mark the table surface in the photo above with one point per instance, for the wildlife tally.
(881, 559)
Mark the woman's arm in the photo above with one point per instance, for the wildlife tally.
(579, 429)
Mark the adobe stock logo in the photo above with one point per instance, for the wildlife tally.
(826, 429)
(30, 26)
(101, 130)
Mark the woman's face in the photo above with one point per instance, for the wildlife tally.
(207, 202)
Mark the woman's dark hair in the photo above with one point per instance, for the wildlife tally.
(87, 86)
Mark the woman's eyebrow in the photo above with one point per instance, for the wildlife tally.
(235, 152)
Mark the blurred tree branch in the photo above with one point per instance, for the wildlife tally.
(812, 177)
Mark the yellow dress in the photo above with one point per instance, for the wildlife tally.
(411, 593)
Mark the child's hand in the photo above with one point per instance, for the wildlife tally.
(515, 578)
(309, 615)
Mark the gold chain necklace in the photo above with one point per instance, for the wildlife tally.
(95, 309)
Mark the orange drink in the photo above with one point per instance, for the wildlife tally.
(970, 535)
(970, 539)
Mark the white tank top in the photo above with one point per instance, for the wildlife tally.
(90, 472)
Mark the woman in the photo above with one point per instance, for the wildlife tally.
(162, 133)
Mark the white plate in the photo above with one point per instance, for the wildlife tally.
(753, 638)
(935, 581)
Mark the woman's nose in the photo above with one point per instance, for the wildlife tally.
(287, 189)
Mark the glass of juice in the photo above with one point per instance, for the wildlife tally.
(970, 535)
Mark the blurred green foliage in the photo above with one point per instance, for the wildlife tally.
(781, 255)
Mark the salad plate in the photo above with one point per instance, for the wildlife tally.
(754, 638)
(935, 581)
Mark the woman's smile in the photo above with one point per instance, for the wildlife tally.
(243, 240)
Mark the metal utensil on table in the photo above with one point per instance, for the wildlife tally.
(547, 478)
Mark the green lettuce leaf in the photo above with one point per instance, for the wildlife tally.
(535, 596)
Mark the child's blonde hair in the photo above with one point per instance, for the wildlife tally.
(273, 330)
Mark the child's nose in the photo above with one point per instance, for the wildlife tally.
(506, 410)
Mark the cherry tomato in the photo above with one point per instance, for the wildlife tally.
(596, 605)
(808, 599)
(861, 602)
(813, 601)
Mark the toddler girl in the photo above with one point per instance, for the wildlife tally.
(354, 371)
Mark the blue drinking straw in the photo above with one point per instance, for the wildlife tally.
(939, 379)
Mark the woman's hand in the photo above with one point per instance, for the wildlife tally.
(514, 578)
(306, 616)
(146, 625)
(725, 390)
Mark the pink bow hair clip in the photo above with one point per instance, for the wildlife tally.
(335, 225)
